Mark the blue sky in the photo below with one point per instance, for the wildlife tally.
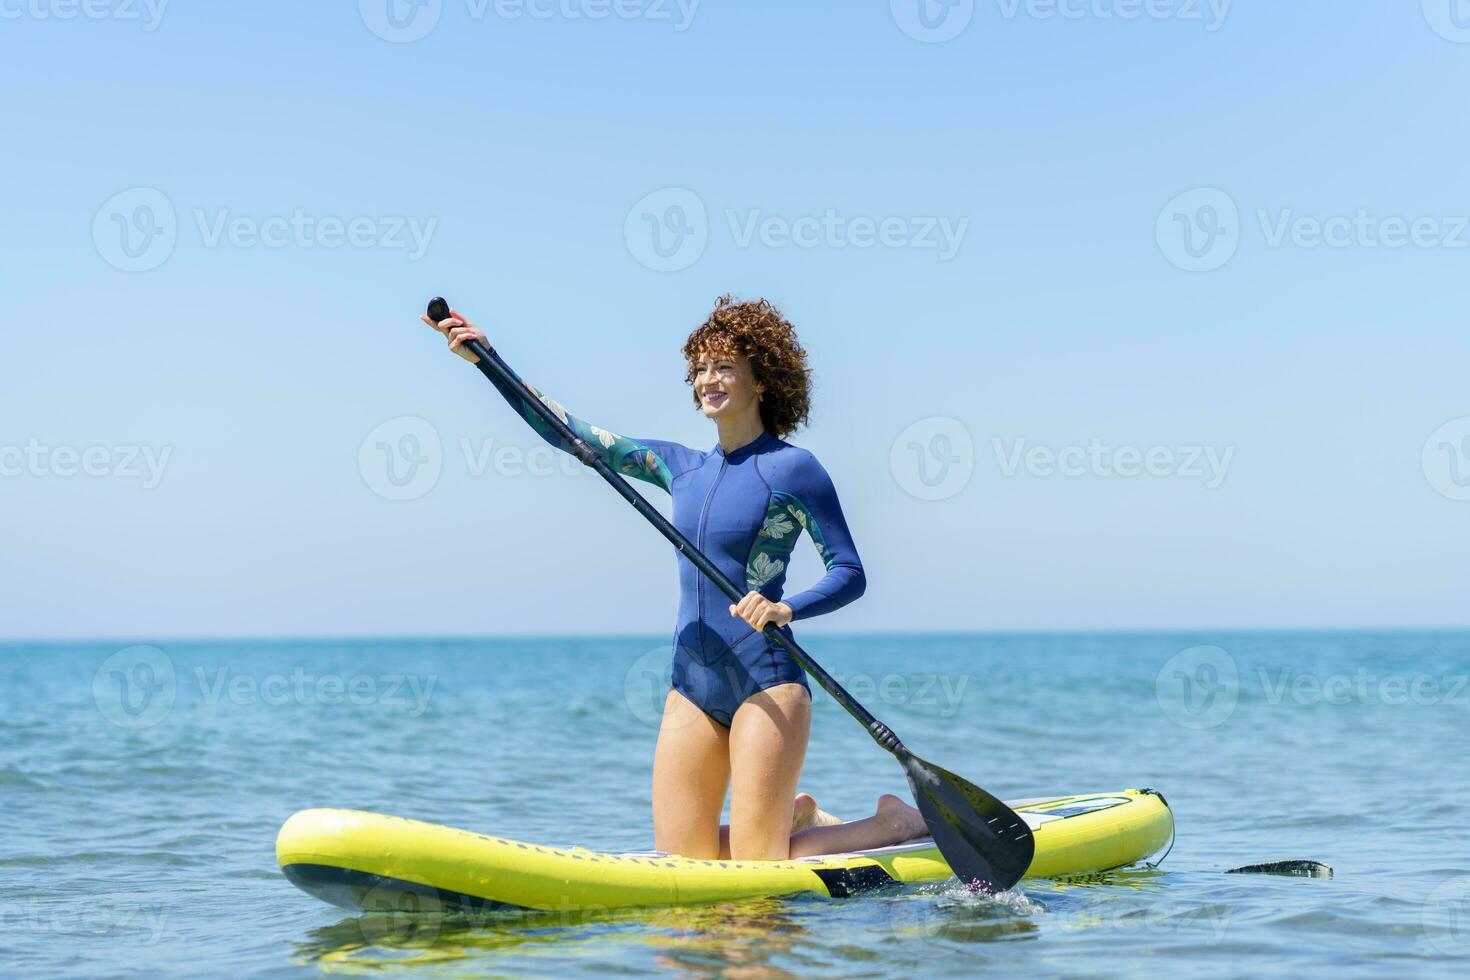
(1222, 249)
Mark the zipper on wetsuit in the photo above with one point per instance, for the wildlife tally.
(699, 538)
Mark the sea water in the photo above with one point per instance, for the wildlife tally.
(141, 787)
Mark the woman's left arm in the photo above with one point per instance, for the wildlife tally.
(815, 506)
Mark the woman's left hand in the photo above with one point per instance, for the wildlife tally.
(757, 610)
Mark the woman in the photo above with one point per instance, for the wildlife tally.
(739, 714)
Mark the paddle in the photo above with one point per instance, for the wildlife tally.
(986, 844)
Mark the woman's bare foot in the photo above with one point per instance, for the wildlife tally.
(807, 814)
(906, 821)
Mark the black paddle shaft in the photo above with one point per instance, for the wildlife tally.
(987, 845)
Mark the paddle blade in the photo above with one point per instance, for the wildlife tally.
(988, 846)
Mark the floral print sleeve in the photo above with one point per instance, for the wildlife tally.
(647, 460)
(806, 501)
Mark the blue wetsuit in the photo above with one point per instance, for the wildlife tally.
(744, 510)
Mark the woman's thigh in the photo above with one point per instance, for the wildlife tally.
(768, 738)
(691, 771)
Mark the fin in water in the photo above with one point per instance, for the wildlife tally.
(1298, 869)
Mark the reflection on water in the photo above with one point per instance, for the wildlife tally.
(730, 939)
(743, 935)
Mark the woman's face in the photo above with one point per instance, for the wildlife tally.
(726, 385)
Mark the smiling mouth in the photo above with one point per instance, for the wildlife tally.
(714, 397)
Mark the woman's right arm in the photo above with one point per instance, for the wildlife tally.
(648, 460)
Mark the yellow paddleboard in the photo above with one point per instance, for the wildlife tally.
(368, 861)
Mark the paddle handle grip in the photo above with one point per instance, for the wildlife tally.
(493, 367)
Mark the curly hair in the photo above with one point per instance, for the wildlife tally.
(757, 330)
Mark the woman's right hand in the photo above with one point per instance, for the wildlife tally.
(459, 332)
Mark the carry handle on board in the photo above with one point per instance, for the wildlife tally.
(987, 845)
